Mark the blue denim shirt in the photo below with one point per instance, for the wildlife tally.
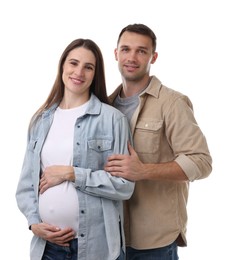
(102, 131)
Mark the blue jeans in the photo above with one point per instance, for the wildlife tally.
(163, 253)
(56, 252)
(122, 256)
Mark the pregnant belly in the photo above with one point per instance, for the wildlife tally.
(59, 206)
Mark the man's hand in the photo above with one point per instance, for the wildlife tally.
(53, 234)
(125, 166)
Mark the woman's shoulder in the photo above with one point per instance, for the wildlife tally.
(112, 109)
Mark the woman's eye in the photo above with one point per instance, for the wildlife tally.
(89, 68)
(73, 63)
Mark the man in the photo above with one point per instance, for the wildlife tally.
(169, 151)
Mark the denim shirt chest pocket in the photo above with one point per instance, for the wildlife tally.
(98, 151)
(148, 134)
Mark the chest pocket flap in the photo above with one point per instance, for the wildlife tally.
(149, 125)
(100, 145)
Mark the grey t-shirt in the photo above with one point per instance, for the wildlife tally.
(127, 105)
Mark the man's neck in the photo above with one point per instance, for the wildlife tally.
(131, 88)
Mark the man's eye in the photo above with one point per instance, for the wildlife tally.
(142, 51)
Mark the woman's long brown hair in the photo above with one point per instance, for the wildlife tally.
(98, 86)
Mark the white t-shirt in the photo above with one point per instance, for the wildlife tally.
(59, 205)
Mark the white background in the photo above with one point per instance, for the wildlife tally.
(194, 46)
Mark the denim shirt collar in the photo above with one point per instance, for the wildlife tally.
(93, 108)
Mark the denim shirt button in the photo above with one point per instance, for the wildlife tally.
(82, 211)
(82, 235)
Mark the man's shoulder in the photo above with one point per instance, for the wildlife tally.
(160, 89)
(114, 94)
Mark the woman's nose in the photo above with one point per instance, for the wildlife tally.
(79, 70)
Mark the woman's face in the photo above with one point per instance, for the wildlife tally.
(79, 71)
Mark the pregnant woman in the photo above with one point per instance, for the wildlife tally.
(72, 206)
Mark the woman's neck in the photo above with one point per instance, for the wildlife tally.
(68, 103)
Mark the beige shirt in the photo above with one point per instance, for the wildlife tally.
(164, 129)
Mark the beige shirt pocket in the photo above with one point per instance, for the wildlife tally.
(147, 136)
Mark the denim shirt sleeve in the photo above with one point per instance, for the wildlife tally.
(101, 183)
(27, 189)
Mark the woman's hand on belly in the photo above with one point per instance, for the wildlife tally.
(54, 175)
(53, 234)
